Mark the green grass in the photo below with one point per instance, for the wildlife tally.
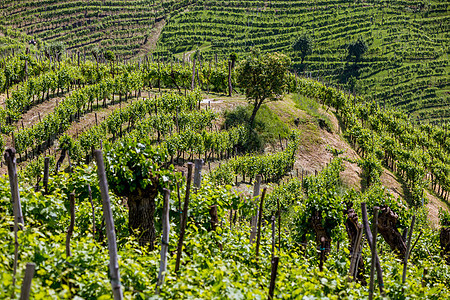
(311, 107)
(268, 126)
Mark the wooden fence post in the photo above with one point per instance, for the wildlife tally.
(256, 189)
(72, 224)
(374, 251)
(26, 284)
(198, 173)
(110, 231)
(273, 277)
(164, 240)
(258, 238)
(184, 217)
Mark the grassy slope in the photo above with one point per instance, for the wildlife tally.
(313, 155)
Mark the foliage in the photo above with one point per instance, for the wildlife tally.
(267, 124)
(304, 45)
(263, 77)
(356, 49)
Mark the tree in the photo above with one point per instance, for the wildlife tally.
(137, 171)
(304, 45)
(231, 64)
(356, 49)
(263, 77)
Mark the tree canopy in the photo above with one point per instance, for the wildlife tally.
(304, 45)
(263, 76)
(356, 49)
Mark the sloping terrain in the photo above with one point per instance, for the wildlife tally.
(406, 64)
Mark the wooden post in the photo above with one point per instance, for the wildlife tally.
(198, 173)
(273, 236)
(193, 76)
(273, 277)
(10, 160)
(374, 251)
(281, 144)
(408, 247)
(279, 224)
(355, 254)
(17, 209)
(110, 231)
(370, 240)
(230, 86)
(214, 218)
(256, 190)
(46, 171)
(26, 284)
(178, 196)
(164, 240)
(72, 224)
(184, 216)
(258, 238)
(93, 210)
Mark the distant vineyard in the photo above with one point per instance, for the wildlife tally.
(406, 66)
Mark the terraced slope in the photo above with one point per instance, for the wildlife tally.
(406, 64)
(121, 26)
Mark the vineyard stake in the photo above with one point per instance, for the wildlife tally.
(164, 240)
(46, 170)
(258, 238)
(408, 246)
(10, 160)
(72, 224)
(369, 240)
(281, 144)
(355, 254)
(93, 210)
(184, 216)
(178, 196)
(273, 236)
(198, 173)
(26, 284)
(273, 277)
(374, 251)
(110, 231)
(17, 209)
(256, 190)
(279, 224)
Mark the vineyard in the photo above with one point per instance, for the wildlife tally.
(151, 178)
(405, 65)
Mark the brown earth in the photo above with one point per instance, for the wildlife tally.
(150, 45)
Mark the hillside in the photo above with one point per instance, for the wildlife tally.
(160, 165)
(318, 151)
(406, 65)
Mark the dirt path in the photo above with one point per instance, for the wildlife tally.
(150, 45)
(88, 120)
(31, 117)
